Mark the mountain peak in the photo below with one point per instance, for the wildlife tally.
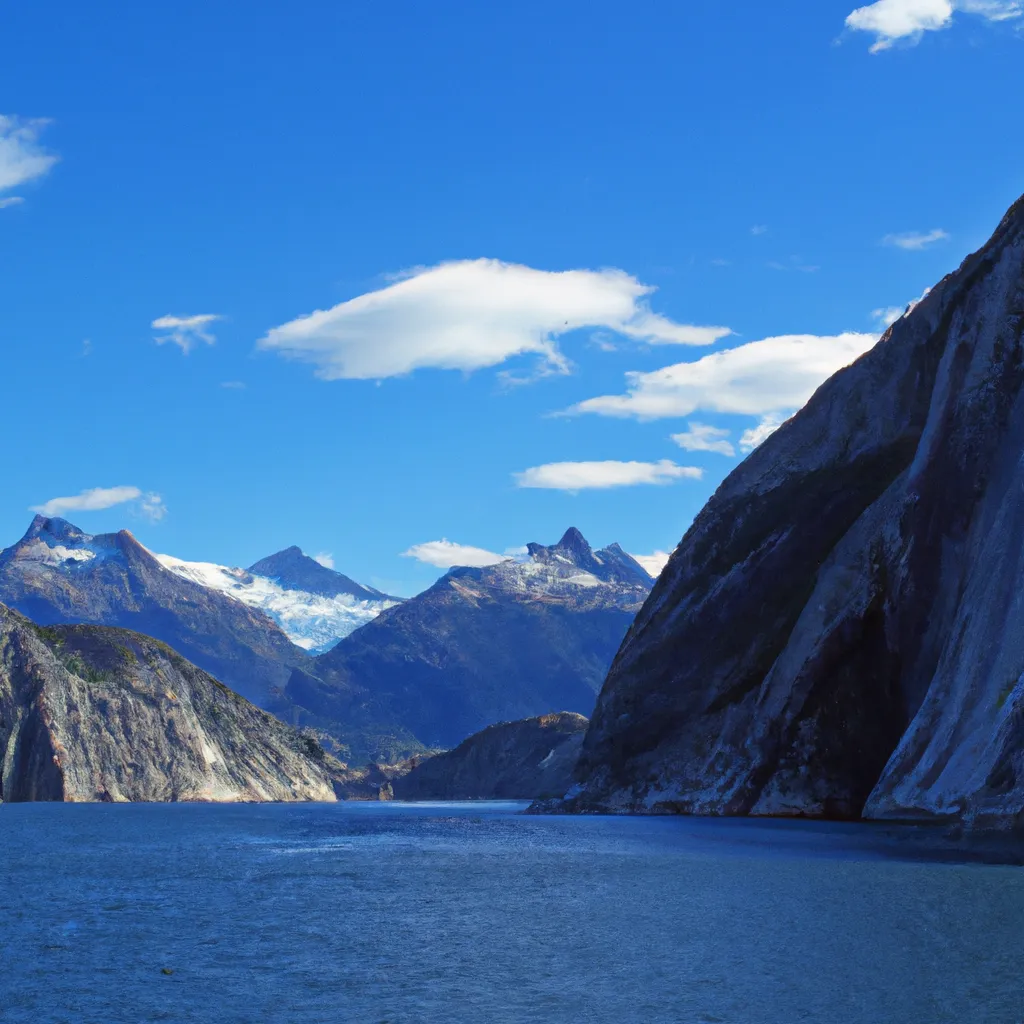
(574, 541)
(293, 569)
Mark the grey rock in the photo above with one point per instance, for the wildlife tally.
(90, 713)
(838, 633)
(528, 760)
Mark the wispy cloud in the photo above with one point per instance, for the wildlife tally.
(22, 158)
(583, 476)
(185, 331)
(759, 229)
(445, 553)
(654, 562)
(906, 21)
(96, 499)
(233, 385)
(795, 263)
(914, 241)
(701, 437)
(756, 435)
(753, 379)
(325, 558)
(472, 314)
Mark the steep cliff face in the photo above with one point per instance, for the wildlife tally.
(528, 760)
(57, 573)
(501, 643)
(96, 714)
(839, 632)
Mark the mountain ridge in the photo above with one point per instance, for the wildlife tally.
(834, 634)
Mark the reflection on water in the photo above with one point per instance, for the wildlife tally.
(444, 912)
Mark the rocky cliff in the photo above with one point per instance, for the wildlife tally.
(57, 573)
(522, 638)
(528, 760)
(91, 713)
(839, 632)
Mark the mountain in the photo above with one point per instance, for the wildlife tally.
(510, 641)
(294, 570)
(838, 633)
(89, 713)
(57, 573)
(529, 760)
(313, 605)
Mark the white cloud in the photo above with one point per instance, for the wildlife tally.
(915, 241)
(11, 201)
(233, 385)
(759, 229)
(445, 553)
(581, 476)
(471, 314)
(756, 435)
(325, 558)
(653, 563)
(98, 498)
(22, 159)
(886, 316)
(700, 437)
(892, 21)
(185, 331)
(152, 507)
(753, 379)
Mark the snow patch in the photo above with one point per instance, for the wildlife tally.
(311, 621)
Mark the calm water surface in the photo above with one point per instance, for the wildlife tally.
(376, 912)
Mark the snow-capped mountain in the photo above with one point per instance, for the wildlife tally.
(315, 619)
(521, 638)
(57, 573)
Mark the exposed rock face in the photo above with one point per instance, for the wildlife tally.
(482, 645)
(529, 760)
(89, 713)
(56, 573)
(838, 633)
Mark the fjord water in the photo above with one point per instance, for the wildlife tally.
(423, 913)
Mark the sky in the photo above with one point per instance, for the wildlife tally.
(411, 285)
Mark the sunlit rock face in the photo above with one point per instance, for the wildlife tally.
(839, 632)
(89, 713)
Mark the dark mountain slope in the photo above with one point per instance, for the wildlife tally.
(529, 760)
(839, 631)
(482, 645)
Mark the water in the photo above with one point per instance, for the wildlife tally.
(472, 913)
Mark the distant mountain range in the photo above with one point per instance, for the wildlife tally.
(249, 629)
(392, 678)
(506, 642)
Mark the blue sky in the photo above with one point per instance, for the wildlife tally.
(763, 170)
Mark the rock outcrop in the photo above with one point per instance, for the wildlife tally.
(839, 632)
(90, 713)
(528, 760)
(510, 641)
